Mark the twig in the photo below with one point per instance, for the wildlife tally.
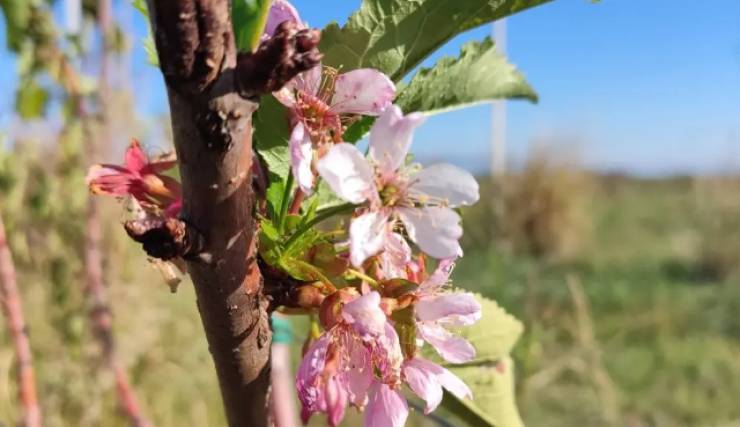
(11, 302)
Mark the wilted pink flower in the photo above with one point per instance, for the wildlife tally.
(386, 407)
(435, 310)
(422, 199)
(280, 11)
(341, 364)
(427, 379)
(317, 101)
(140, 178)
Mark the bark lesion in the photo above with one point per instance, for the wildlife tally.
(289, 52)
(166, 238)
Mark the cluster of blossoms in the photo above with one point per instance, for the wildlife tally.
(385, 306)
(373, 331)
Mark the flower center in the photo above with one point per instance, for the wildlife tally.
(323, 124)
(390, 194)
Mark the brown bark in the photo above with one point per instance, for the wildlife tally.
(211, 97)
(11, 302)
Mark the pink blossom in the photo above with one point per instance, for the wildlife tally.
(427, 379)
(436, 309)
(386, 407)
(395, 259)
(342, 363)
(140, 178)
(280, 11)
(422, 199)
(318, 101)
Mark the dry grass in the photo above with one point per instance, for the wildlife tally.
(719, 226)
(541, 211)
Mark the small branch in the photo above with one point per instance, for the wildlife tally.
(289, 52)
(11, 302)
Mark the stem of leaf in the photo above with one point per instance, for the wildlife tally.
(321, 215)
(363, 276)
(283, 215)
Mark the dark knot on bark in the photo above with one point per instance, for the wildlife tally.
(289, 52)
(166, 238)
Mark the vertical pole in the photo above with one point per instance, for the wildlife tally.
(498, 112)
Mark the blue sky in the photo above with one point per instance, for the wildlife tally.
(642, 86)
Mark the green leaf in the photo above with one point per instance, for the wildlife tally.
(357, 130)
(394, 36)
(466, 411)
(151, 50)
(326, 197)
(274, 197)
(302, 270)
(140, 5)
(269, 246)
(479, 74)
(248, 17)
(493, 401)
(490, 375)
(31, 100)
(271, 133)
(149, 47)
(495, 334)
(17, 14)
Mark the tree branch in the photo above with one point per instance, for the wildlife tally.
(11, 302)
(212, 129)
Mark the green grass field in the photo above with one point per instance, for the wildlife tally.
(632, 329)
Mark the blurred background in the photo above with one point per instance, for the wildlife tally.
(609, 221)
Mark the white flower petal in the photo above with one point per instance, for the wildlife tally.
(280, 11)
(390, 138)
(454, 384)
(395, 257)
(307, 82)
(367, 234)
(438, 279)
(386, 408)
(347, 173)
(421, 377)
(364, 91)
(452, 348)
(435, 229)
(444, 184)
(460, 308)
(301, 154)
(365, 316)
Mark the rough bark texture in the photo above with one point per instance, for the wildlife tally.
(11, 303)
(212, 132)
(212, 96)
